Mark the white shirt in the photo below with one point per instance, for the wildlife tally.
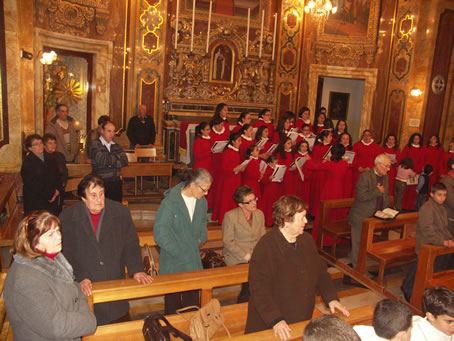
(105, 143)
(424, 331)
(190, 204)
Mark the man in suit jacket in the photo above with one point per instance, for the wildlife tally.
(99, 240)
(372, 194)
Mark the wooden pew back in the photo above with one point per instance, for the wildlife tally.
(425, 277)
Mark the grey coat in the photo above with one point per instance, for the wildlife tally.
(239, 236)
(55, 129)
(366, 198)
(448, 181)
(44, 303)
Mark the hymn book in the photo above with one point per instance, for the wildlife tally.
(278, 173)
(386, 214)
(218, 146)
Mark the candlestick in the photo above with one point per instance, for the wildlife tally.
(209, 26)
(261, 34)
(274, 35)
(247, 32)
(176, 24)
(193, 24)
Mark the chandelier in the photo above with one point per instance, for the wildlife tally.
(320, 9)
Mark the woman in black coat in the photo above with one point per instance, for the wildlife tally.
(42, 181)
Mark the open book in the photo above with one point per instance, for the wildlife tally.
(218, 146)
(300, 161)
(272, 148)
(413, 181)
(278, 173)
(349, 157)
(311, 141)
(386, 214)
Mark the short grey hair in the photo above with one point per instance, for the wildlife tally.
(381, 158)
(198, 176)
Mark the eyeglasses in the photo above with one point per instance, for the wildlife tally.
(203, 189)
(250, 201)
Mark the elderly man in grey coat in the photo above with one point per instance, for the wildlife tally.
(372, 194)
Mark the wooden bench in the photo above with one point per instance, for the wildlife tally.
(390, 251)
(425, 276)
(214, 234)
(336, 229)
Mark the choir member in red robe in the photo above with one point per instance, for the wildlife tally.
(263, 142)
(391, 149)
(245, 118)
(285, 157)
(305, 134)
(231, 178)
(247, 139)
(303, 185)
(319, 123)
(292, 117)
(345, 139)
(415, 151)
(222, 111)
(304, 118)
(341, 127)
(203, 157)
(270, 190)
(252, 173)
(282, 129)
(433, 153)
(444, 159)
(265, 120)
(321, 147)
(218, 133)
(365, 152)
(335, 170)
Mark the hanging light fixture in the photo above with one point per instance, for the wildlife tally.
(320, 9)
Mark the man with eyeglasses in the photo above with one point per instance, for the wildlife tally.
(372, 194)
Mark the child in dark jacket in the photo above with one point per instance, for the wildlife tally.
(423, 186)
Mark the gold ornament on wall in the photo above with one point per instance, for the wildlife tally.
(68, 92)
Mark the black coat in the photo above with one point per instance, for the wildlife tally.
(102, 257)
(40, 179)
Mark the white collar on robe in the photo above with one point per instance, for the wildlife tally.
(219, 133)
(232, 147)
(246, 137)
(367, 144)
(205, 137)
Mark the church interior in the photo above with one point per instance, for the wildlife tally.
(382, 65)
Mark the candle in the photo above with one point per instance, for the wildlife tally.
(274, 35)
(193, 24)
(261, 34)
(209, 26)
(176, 24)
(247, 32)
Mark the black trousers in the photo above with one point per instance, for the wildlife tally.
(244, 293)
(113, 190)
(172, 302)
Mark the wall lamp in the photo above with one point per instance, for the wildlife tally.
(415, 92)
(26, 55)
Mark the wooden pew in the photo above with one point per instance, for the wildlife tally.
(425, 277)
(337, 228)
(235, 317)
(390, 251)
(214, 234)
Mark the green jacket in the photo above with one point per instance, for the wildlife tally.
(178, 237)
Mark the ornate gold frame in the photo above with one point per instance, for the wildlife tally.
(369, 39)
(232, 74)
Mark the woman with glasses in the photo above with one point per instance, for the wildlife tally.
(241, 230)
(179, 230)
(41, 178)
(42, 300)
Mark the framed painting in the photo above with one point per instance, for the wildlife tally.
(222, 65)
(354, 22)
(338, 105)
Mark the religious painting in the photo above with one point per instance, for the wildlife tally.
(4, 133)
(338, 105)
(222, 63)
(354, 22)
(233, 8)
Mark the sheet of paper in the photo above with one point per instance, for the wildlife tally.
(349, 157)
(218, 146)
(272, 148)
(279, 172)
(262, 166)
(392, 157)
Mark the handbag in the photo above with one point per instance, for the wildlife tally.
(206, 321)
(150, 267)
(212, 260)
(153, 330)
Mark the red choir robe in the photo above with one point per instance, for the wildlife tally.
(270, 195)
(303, 188)
(300, 123)
(288, 183)
(269, 124)
(333, 188)
(318, 129)
(245, 143)
(230, 182)
(348, 180)
(432, 156)
(252, 175)
(264, 148)
(203, 158)
(393, 171)
(317, 180)
(364, 157)
(216, 162)
(444, 161)
(227, 125)
(237, 128)
(417, 155)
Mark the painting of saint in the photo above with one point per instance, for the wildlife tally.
(222, 64)
(338, 105)
(351, 19)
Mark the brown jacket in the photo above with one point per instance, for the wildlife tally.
(284, 281)
(432, 227)
(448, 181)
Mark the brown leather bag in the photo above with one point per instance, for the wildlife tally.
(211, 259)
(153, 330)
(206, 321)
(149, 265)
